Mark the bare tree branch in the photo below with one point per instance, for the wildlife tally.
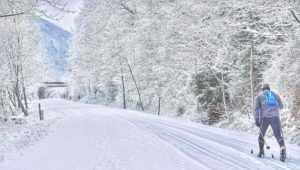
(128, 9)
(135, 83)
(295, 16)
(20, 13)
(39, 8)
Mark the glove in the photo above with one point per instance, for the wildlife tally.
(257, 123)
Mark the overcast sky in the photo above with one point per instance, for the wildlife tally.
(67, 22)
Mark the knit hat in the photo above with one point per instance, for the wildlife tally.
(265, 87)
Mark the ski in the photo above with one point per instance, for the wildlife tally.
(282, 157)
(252, 152)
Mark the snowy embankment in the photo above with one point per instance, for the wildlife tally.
(89, 137)
(18, 134)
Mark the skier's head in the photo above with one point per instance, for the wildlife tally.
(265, 87)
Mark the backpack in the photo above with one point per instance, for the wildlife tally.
(269, 98)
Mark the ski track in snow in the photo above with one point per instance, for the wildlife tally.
(90, 137)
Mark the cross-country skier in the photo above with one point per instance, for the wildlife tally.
(266, 112)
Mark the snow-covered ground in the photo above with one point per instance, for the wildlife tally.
(90, 137)
(21, 133)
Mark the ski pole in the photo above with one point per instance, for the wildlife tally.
(267, 146)
(264, 141)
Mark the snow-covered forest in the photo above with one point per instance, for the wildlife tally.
(205, 60)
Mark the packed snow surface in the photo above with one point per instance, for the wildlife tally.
(90, 137)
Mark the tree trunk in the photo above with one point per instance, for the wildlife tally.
(18, 96)
(251, 75)
(25, 97)
(17, 92)
(2, 99)
(123, 85)
(136, 86)
(158, 110)
(23, 88)
(221, 82)
(12, 99)
(224, 97)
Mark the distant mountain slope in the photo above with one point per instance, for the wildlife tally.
(56, 42)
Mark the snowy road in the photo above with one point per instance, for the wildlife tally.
(89, 137)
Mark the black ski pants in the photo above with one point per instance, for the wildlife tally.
(265, 122)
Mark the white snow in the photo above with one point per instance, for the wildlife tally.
(90, 137)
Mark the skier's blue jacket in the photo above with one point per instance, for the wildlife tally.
(263, 110)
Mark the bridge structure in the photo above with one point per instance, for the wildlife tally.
(55, 84)
(42, 94)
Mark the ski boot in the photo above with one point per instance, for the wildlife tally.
(282, 154)
(261, 153)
